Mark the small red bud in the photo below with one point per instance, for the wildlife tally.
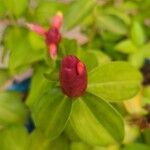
(53, 36)
(73, 76)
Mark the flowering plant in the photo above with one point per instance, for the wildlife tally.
(77, 85)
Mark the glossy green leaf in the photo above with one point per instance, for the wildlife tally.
(78, 11)
(112, 23)
(136, 146)
(21, 52)
(51, 112)
(16, 8)
(137, 33)
(45, 143)
(126, 46)
(12, 110)
(14, 138)
(114, 81)
(95, 121)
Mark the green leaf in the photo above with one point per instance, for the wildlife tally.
(80, 146)
(137, 33)
(114, 81)
(51, 112)
(37, 42)
(45, 143)
(95, 121)
(12, 110)
(138, 58)
(2, 9)
(67, 49)
(45, 10)
(78, 11)
(21, 52)
(4, 75)
(17, 8)
(14, 138)
(126, 46)
(136, 146)
(43, 84)
(96, 58)
(112, 23)
(70, 132)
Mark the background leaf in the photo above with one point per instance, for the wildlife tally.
(22, 54)
(4, 75)
(137, 33)
(78, 11)
(126, 47)
(111, 23)
(136, 146)
(12, 110)
(96, 58)
(14, 138)
(45, 143)
(17, 8)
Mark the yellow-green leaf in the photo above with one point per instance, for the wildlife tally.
(114, 81)
(95, 121)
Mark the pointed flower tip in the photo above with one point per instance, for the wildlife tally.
(36, 28)
(53, 51)
(60, 14)
(80, 67)
(57, 20)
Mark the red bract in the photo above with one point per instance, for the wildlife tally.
(52, 36)
(73, 76)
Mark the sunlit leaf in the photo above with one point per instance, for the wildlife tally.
(114, 81)
(126, 46)
(137, 33)
(95, 121)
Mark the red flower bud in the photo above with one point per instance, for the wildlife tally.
(73, 76)
(53, 36)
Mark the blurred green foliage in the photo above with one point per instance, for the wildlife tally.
(117, 30)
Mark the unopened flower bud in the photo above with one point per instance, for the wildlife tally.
(73, 76)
